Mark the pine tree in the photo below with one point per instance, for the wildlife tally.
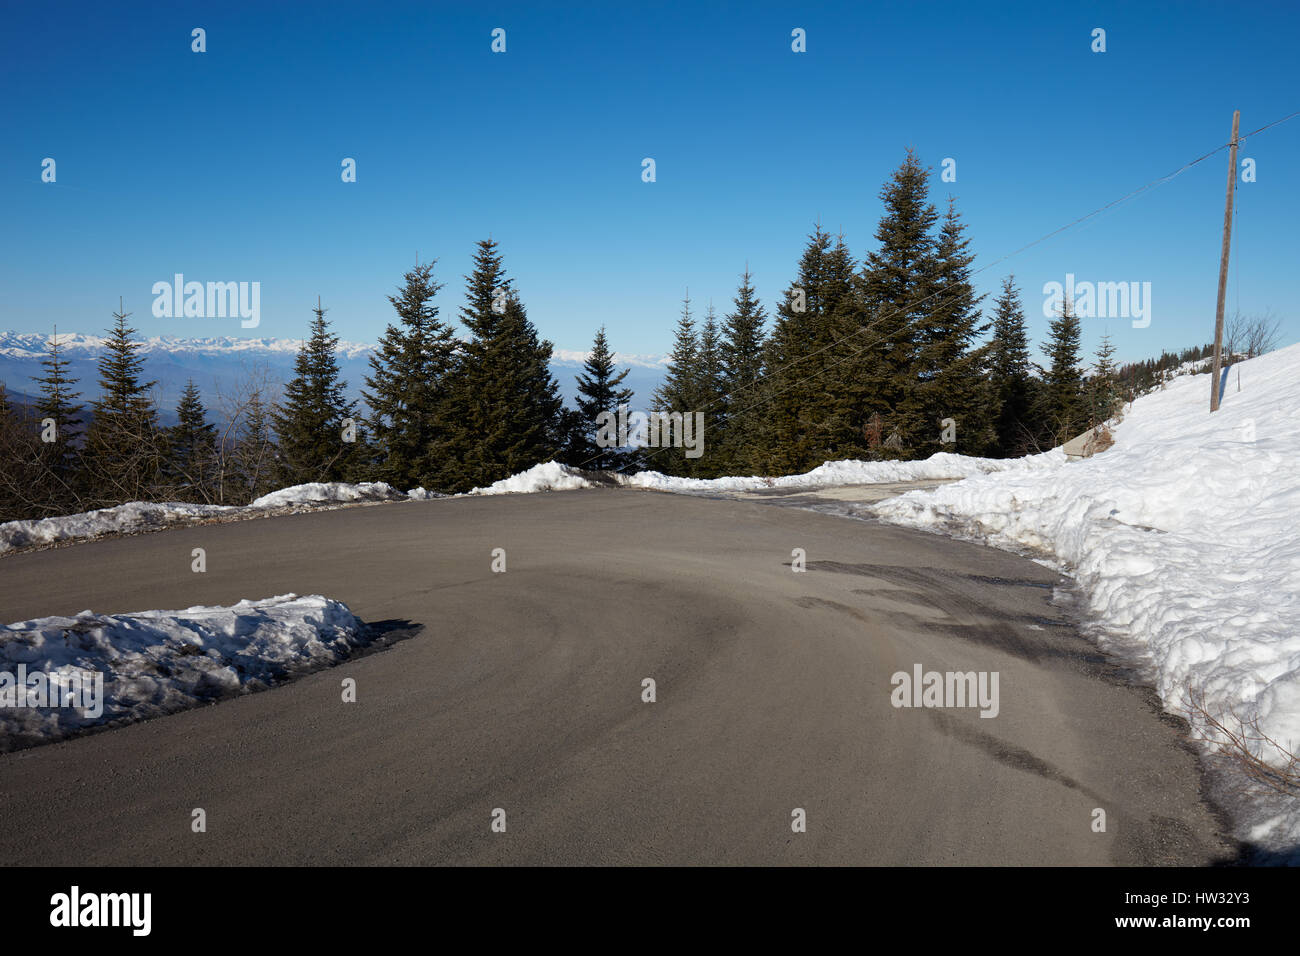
(896, 281)
(310, 423)
(598, 392)
(59, 479)
(797, 391)
(1010, 373)
(408, 375)
(678, 392)
(952, 383)
(742, 377)
(711, 398)
(123, 452)
(191, 449)
(1103, 389)
(1063, 404)
(503, 407)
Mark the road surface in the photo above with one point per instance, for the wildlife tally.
(522, 692)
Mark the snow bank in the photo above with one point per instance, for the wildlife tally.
(545, 477)
(316, 492)
(423, 494)
(138, 516)
(1185, 538)
(158, 662)
(833, 473)
(131, 517)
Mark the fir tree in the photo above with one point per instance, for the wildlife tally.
(711, 398)
(123, 452)
(952, 384)
(798, 416)
(191, 449)
(310, 422)
(1063, 406)
(896, 281)
(1010, 373)
(678, 392)
(742, 376)
(405, 386)
(598, 392)
(57, 403)
(503, 406)
(1103, 390)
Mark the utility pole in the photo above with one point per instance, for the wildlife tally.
(1223, 264)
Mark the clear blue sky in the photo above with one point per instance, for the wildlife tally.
(225, 165)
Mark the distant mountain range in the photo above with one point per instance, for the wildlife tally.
(219, 365)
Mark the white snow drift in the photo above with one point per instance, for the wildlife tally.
(838, 473)
(131, 517)
(139, 516)
(158, 662)
(549, 476)
(318, 492)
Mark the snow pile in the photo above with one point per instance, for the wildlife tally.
(833, 473)
(1185, 538)
(423, 494)
(549, 476)
(158, 662)
(138, 516)
(316, 492)
(131, 517)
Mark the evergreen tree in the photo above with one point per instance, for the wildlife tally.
(952, 382)
(123, 451)
(896, 283)
(408, 374)
(1063, 405)
(59, 480)
(798, 394)
(742, 376)
(310, 422)
(191, 449)
(598, 392)
(1105, 397)
(711, 398)
(1010, 373)
(679, 391)
(503, 407)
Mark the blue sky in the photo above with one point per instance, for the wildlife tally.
(225, 165)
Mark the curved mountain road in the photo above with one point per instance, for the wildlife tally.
(523, 691)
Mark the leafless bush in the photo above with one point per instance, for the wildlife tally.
(245, 450)
(1243, 745)
(1249, 336)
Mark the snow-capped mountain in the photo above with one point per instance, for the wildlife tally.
(218, 365)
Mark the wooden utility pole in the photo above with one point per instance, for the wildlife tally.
(1223, 264)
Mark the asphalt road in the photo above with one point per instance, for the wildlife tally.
(523, 691)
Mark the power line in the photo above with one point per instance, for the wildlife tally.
(1041, 239)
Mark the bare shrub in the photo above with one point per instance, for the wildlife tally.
(1243, 746)
(1249, 336)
